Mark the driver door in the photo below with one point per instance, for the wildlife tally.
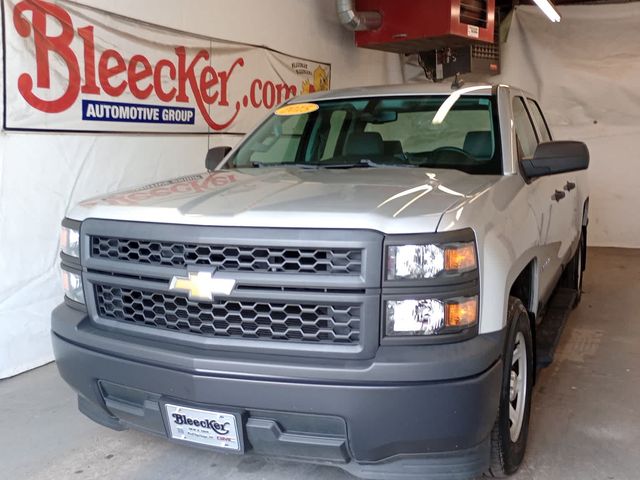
(548, 202)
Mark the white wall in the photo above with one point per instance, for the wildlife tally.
(46, 173)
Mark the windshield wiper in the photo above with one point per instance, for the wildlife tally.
(264, 165)
(362, 163)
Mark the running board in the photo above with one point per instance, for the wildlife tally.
(550, 330)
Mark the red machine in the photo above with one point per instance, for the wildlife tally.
(411, 26)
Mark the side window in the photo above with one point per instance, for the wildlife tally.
(540, 122)
(525, 133)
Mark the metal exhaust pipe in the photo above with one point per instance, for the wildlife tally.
(357, 21)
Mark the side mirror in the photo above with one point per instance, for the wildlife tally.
(556, 157)
(215, 156)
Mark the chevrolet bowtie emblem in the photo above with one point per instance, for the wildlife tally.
(202, 285)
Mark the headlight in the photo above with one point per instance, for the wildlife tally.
(415, 262)
(72, 285)
(70, 241)
(430, 316)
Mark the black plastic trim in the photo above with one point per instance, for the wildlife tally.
(71, 223)
(442, 416)
(81, 307)
(551, 158)
(73, 262)
(71, 268)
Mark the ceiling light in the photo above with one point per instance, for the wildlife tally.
(548, 9)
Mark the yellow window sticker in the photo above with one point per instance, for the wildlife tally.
(297, 109)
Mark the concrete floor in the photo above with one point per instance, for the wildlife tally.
(585, 421)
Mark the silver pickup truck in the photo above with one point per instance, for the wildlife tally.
(358, 283)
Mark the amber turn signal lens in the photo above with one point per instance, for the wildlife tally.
(461, 314)
(460, 258)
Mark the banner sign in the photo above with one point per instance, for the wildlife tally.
(76, 68)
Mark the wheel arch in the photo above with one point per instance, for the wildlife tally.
(585, 225)
(525, 288)
(585, 213)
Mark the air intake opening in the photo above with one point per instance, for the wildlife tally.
(474, 12)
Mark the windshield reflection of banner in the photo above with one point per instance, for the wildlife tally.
(114, 74)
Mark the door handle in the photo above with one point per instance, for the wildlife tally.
(559, 195)
(569, 186)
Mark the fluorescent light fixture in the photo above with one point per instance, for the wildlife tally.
(548, 9)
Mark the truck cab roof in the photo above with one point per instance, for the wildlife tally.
(417, 88)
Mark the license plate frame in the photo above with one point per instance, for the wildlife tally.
(212, 429)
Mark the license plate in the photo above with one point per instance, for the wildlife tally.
(214, 429)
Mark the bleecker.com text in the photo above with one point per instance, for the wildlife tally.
(183, 79)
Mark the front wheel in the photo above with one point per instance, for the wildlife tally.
(509, 435)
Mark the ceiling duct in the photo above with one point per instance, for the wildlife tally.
(354, 20)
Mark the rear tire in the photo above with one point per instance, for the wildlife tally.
(509, 435)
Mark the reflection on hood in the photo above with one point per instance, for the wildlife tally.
(289, 197)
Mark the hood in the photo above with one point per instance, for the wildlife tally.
(390, 200)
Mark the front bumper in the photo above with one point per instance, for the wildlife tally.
(412, 423)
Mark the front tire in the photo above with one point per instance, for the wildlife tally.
(509, 435)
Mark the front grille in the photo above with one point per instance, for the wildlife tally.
(298, 292)
(291, 321)
(336, 261)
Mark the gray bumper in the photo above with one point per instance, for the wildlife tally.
(371, 427)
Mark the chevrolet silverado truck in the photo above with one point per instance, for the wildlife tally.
(358, 283)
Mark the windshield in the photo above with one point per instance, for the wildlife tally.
(419, 131)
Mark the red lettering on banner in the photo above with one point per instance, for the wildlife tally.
(269, 94)
(256, 86)
(208, 79)
(44, 44)
(187, 73)
(185, 80)
(106, 72)
(285, 92)
(224, 79)
(90, 85)
(135, 76)
(165, 96)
